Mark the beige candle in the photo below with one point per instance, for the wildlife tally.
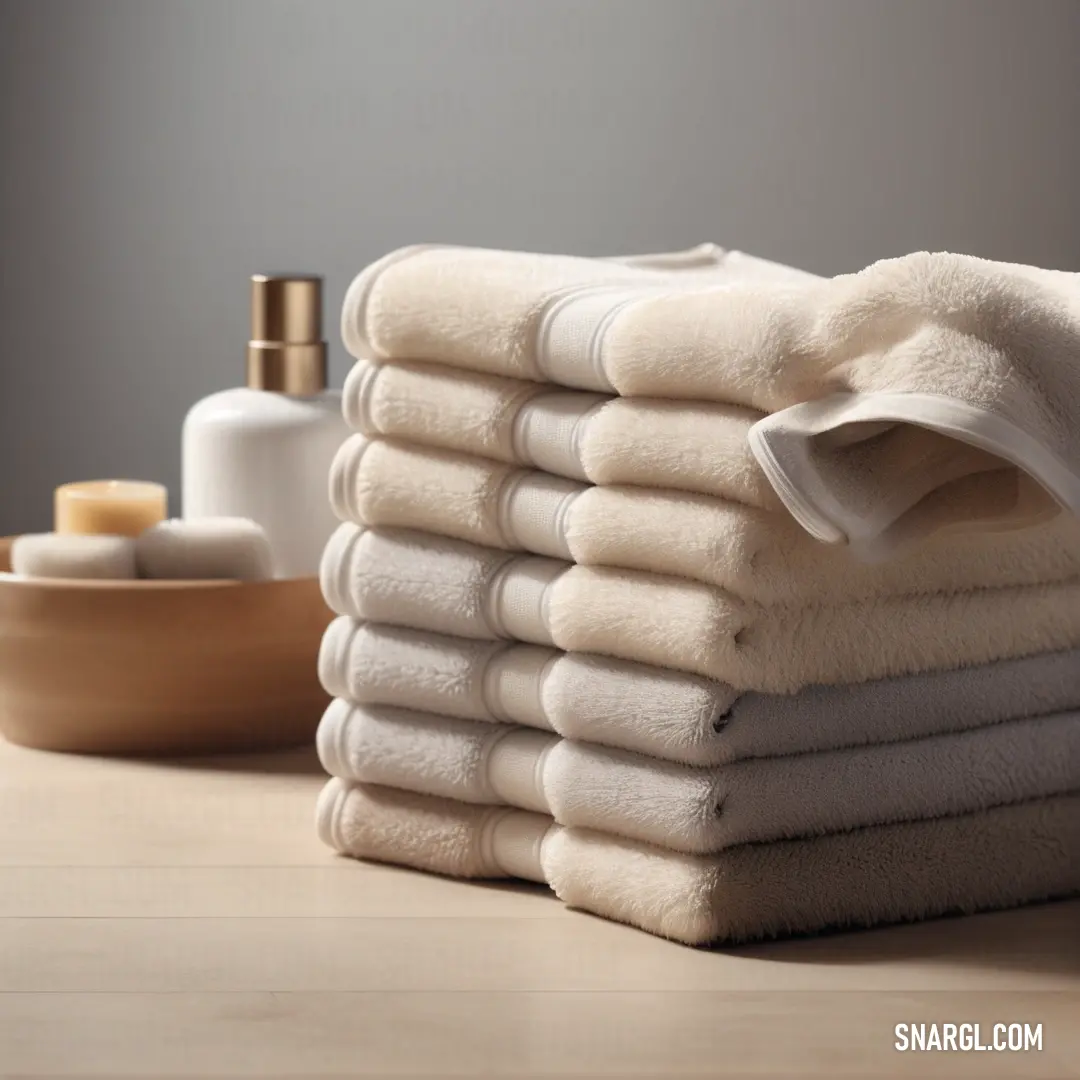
(113, 507)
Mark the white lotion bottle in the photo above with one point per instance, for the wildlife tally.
(264, 451)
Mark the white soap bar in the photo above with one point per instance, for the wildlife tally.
(52, 555)
(202, 549)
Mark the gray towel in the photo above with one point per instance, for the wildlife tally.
(696, 810)
(448, 586)
(668, 714)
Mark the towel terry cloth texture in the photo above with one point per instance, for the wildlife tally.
(755, 554)
(878, 385)
(671, 715)
(911, 870)
(448, 586)
(590, 639)
(695, 810)
(698, 447)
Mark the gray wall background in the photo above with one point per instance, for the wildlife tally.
(156, 152)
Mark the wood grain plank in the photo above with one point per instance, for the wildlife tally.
(474, 953)
(483, 1034)
(340, 888)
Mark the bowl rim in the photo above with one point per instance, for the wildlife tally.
(19, 581)
(135, 585)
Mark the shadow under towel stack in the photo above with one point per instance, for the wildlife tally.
(586, 638)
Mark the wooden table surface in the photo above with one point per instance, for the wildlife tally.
(182, 919)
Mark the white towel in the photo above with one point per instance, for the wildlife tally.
(694, 810)
(207, 548)
(669, 714)
(884, 369)
(700, 447)
(479, 309)
(451, 587)
(993, 859)
(74, 556)
(484, 304)
(751, 553)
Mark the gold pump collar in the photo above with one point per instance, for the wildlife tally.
(286, 353)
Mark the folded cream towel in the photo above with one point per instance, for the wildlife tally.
(891, 873)
(448, 586)
(669, 714)
(696, 810)
(752, 553)
(701, 447)
(888, 370)
(479, 309)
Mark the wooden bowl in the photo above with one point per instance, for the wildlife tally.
(159, 667)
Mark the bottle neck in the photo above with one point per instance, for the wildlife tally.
(299, 370)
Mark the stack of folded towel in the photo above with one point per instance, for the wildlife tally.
(590, 633)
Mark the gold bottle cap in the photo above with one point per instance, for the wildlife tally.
(286, 352)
